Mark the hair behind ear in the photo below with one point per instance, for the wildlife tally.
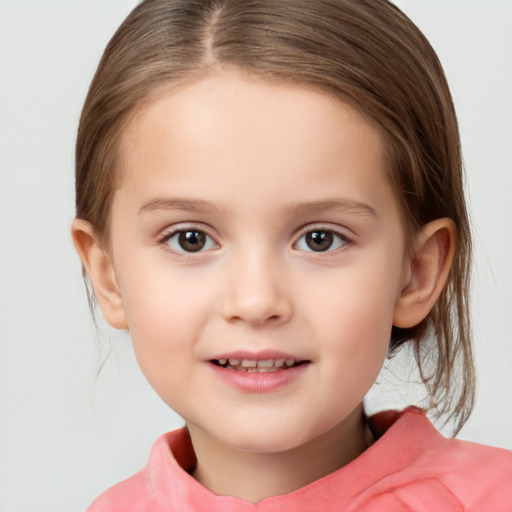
(429, 266)
(441, 345)
(99, 268)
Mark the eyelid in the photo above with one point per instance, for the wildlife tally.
(167, 233)
(329, 228)
(341, 230)
(171, 231)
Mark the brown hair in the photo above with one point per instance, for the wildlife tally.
(364, 51)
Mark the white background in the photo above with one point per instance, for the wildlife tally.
(65, 434)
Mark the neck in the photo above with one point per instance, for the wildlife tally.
(255, 476)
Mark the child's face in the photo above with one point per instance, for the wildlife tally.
(255, 221)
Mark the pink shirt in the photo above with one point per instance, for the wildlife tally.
(411, 467)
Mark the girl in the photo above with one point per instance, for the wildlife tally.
(270, 201)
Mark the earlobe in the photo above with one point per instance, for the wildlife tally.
(428, 268)
(100, 271)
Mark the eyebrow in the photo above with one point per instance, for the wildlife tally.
(308, 208)
(335, 204)
(179, 204)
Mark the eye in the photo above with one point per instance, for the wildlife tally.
(321, 240)
(189, 240)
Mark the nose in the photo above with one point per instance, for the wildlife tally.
(256, 292)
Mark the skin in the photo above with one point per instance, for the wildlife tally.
(256, 166)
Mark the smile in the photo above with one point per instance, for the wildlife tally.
(256, 365)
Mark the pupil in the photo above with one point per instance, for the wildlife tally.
(319, 240)
(192, 241)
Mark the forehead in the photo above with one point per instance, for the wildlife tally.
(226, 129)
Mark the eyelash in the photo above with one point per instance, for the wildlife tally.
(342, 239)
(169, 235)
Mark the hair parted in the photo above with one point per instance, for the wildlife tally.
(366, 52)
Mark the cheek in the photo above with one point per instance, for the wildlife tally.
(354, 314)
(165, 318)
(359, 333)
(158, 297)
(356, 301)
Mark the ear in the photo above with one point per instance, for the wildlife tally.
(426, 272)
(100, 271)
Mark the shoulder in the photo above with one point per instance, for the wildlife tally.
(480, 476)
(131, 494)
(437, 472)
(161, 479)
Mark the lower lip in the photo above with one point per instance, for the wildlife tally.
(255, 382)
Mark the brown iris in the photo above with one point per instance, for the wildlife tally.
(319, 241)
(192, 241)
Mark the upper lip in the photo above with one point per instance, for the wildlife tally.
(262, 355)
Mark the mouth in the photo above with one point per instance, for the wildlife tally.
(258, 365)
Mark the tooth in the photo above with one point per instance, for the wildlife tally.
(279, 362)
(234, 362)
(222, 362)
(266, 364)
(290, 362)
(249, 363)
